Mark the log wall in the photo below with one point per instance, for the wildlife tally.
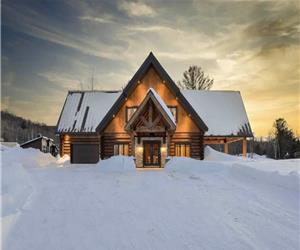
(194, 139)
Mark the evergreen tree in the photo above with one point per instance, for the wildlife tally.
(285, 142)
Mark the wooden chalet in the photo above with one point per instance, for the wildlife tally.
(150, 119)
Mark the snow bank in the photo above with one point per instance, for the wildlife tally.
(213, 155)
(28, 157)
(248, 174)
(281, 173)
(63, 161)
(117, 164)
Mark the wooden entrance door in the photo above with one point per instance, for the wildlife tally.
(151, 154)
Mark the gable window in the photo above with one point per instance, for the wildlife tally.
(129, 112)
(121, 149)
(173, 110)
(183, 149)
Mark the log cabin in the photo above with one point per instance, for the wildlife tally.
(151, 119)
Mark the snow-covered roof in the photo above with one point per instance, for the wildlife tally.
(163, 105)
(222, 111)
(84, 110)
(37, 138)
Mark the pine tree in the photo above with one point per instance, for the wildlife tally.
(285, 142)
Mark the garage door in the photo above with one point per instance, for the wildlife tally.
(84, 153)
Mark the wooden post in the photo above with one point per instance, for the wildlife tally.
(226, 148)
(168, 143)
(132, 144)
(61, 140)
(244, 147)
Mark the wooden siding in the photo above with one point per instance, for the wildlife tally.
(67, 140)
(194, 139)
(108, 140)
(152, 80)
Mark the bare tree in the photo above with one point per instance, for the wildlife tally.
(194, 78)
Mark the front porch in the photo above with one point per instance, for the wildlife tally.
(150, 128)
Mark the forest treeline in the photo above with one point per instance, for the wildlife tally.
(18, 129)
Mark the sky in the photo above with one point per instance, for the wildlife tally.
(50, 47)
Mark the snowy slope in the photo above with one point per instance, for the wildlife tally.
(218, 203)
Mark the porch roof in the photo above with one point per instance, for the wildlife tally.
(159, 103)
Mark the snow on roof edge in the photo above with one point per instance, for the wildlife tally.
(163, 105)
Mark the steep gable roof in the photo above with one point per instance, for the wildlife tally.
(151, 61)
(84, 110)
(223, 111)
(160, 104)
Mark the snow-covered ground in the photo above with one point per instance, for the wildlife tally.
(223, 202)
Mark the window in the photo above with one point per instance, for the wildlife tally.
(129, 112)
(173, 110)
(183, 149)
(121, 149)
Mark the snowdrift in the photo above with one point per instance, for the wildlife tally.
(28, 157)
(213, 155)
(117, 164)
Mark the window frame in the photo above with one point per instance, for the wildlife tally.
(185, 144)
(176, 116)
(126, 113)
(123, 148)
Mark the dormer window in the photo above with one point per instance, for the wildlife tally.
(129, 112)
(173, 110)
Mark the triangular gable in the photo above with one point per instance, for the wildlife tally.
(151, 61)
(160, 105)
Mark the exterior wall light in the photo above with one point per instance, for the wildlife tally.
(163, 149)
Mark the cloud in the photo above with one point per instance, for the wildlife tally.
(33, 23)
(150, 28)
(104, 19)
(137, 9)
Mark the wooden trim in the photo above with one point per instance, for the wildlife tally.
(137, 115)
(226, 149)
(174, 106)
(126, 111)
(220, 140)
(245, 147)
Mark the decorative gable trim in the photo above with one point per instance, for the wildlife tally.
(159, 103)
(151, 61)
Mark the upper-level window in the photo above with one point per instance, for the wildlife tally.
(173, 110)
(129, 112)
